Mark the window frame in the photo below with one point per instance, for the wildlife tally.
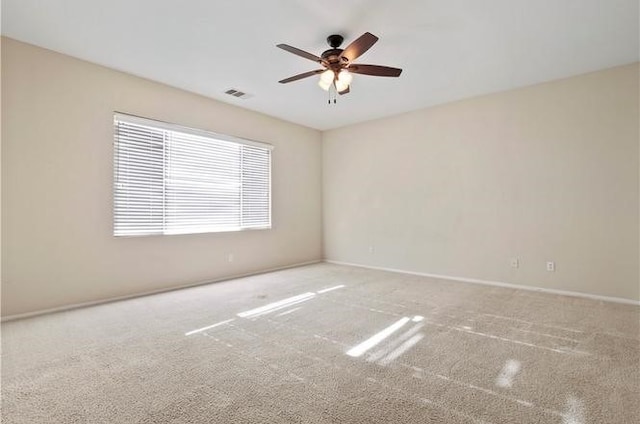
(167, 126)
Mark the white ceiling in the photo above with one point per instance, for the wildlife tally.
(449, 49)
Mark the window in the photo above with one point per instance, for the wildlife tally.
(175, 180)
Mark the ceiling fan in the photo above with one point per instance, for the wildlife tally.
(338, 63)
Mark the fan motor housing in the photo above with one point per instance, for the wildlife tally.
(332, 55)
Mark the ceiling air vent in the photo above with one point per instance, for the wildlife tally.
(237, 93)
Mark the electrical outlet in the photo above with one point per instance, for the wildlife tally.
(230, 257)
(551, 266)
(515, 263)
(372, 249)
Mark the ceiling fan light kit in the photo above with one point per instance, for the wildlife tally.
(338, 66)
(326, 79)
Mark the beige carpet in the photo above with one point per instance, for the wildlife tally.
(376, 347)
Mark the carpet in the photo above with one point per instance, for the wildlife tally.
(327, 344)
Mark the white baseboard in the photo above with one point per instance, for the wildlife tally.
(147, 293)
(495, 283)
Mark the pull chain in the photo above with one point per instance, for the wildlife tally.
(332, 91)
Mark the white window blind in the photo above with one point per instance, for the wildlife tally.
(175, 180)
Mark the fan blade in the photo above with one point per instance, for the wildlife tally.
(303, 75)
(345, 91)
(375, 70)
(358, 47)
(299, 52)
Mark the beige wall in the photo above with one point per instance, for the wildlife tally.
(57, 242)
(548, 172)
(544, 173)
